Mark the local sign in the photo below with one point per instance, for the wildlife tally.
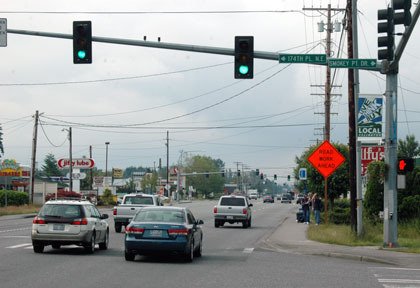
(82, 163)
(326, 159)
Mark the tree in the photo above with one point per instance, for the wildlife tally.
(202, 183)
(50, 167)
(374, 198)
(149, 182)
(408, 148)
(1, 142)
(338, 182)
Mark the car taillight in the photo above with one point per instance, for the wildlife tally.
(115, 211)
(182, 231)
(83, 221)
(215, 210)
(245, 211)
(38, 220)
(134, 230)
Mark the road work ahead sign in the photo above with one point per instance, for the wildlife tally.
(326, 159)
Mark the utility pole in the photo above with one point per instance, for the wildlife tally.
(91, 170)
(33, 158)
(167, 166)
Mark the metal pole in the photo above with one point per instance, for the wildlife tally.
(390, 185)
(167, 166)
(106, 159)
(328, 80)
(71, 160)
(91, 170)
(326, 199)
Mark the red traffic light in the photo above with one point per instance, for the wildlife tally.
(405, 165)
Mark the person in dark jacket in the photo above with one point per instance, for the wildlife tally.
(305, 208)
(317, 205)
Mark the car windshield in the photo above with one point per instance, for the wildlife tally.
(139, 200)
(60, 211)
(156, 215)
(232, 201)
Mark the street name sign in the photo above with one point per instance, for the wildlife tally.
(352, 63)
(326, 159)
(303, 58)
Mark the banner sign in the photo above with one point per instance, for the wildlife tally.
(369, 154)
(369, 116)
(117, 173)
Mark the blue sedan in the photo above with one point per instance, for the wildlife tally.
(166, 231)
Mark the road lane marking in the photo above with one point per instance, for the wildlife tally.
(19, 246)
(400, 281)
(248, 250)
(13, 230)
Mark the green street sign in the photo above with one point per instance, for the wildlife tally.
(352, 63)
(303, 58)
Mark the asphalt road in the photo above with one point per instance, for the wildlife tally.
(231, 258)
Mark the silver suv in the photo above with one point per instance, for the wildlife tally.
(70, 222)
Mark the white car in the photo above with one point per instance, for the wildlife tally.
(70, 222)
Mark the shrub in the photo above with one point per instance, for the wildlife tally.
(107, 198)
(409, 208)
(341, 212)
(14, 198)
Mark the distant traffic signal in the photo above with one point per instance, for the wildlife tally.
(275, 177)
(405, 165)
(82, 42)
(244, 57)
(288, 177)
(262, 176)
(207, 175)
(257, 172)
(239, 173)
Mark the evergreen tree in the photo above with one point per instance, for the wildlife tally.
(50, 167)
(1, 142)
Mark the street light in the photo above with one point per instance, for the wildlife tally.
(106, 160)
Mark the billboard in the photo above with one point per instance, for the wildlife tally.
(369, 154)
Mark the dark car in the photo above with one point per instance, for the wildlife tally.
(286, 198)
(268, 199)
(164, 230)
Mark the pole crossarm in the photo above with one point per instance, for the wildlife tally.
(152, 44)
(200, 173)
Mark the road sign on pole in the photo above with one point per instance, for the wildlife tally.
(303, 58)
(352, 63)
(3, 32)
(326, 159)
(303, 174)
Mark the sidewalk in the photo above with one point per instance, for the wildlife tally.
(290, 237)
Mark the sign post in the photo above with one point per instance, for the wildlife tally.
(326, 159)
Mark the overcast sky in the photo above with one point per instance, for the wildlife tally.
(278, 112)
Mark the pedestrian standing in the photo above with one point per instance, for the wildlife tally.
(305, 209)
(317, 203)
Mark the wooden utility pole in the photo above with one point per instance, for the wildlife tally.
(33, 158)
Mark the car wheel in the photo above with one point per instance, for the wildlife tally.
(245, 224)
(38, 248)
(90, 247)
(216, 224)
(104, 245)
(129, 256)
(199, 251)
(118, 227)
(189, 256)
(56, 246)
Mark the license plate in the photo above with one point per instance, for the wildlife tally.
(58, 227)
(229, 217)
(156, 233)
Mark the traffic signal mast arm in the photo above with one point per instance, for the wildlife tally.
(152, 44)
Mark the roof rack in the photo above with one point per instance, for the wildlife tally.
(67, 198)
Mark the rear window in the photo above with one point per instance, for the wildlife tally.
(145, 200)
(61, 211)
(232, 202)
(172, 216)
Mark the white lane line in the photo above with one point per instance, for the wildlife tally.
(401, 281)
(13, 230)
(248, 250)
(19, 246)
(390, 268)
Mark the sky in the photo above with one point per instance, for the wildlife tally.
(263, 123)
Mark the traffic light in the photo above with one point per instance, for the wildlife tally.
(257, 172)
(82, 42)
(239, 173)
(288, 177)
(405, 16)
(387, 27)
(207, 175)
(275, 177)
(244, 57)
(262, 176)
(223, 173)
(405, 165)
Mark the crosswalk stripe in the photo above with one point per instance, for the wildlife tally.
(248, 250)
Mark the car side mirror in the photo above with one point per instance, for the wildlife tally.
(200, 222)
(250, 205)
(104, 216)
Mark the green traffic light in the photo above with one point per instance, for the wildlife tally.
(243, 69)
(81, 54)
